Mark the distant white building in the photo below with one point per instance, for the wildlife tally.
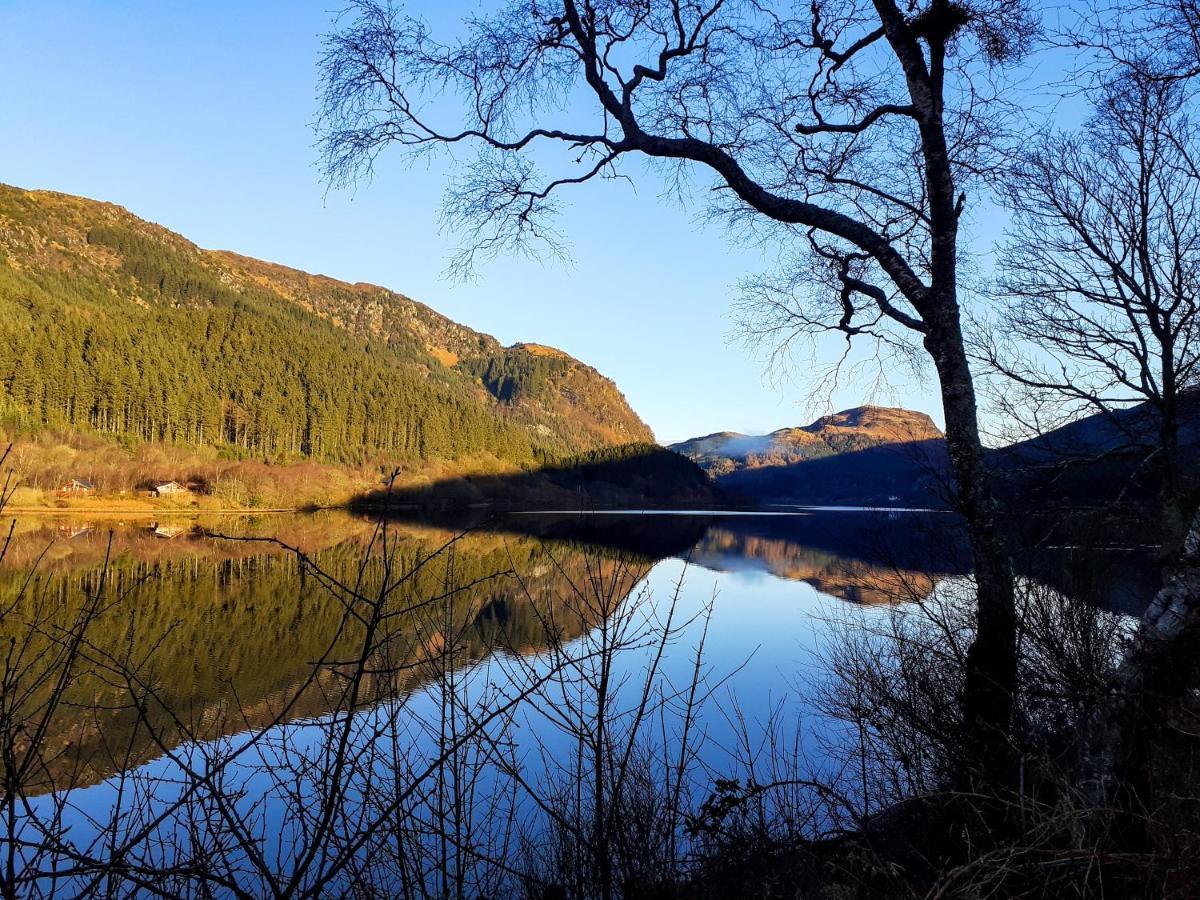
(169, 488)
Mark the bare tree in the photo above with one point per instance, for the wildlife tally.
(1159, 39)
(1100, 279)
(845, 127)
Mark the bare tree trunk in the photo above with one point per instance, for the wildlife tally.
(1159, 671)
(880, 244)
(1172, 503)
(991, 675)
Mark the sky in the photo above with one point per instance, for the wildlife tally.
(198, 116)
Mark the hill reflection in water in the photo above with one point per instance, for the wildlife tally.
(226, 627)
(232, 632)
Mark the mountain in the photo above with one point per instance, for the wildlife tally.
(562, 401)
(113, 325)
(866, 455)
(846, 431)
(1100, 458)
(880, 456)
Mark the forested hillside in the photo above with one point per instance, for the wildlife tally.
(564, 402)
(112, 325)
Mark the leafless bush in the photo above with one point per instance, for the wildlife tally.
(895, 689)
(435, 769)
(418, 760)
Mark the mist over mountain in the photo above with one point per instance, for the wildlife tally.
(868, 454)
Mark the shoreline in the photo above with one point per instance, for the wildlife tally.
(111, 512)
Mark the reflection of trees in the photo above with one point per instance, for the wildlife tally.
(230, 629)
(863, 557)
(856, 580)
(389, 791)
(547, 773)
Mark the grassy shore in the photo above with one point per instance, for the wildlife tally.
(138, 506)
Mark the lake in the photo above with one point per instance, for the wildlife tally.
(191, 688)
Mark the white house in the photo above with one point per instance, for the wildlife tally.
(77, 486)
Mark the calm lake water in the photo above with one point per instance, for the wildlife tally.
(239, 625)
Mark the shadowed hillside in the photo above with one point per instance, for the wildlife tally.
(1099, 459)
(629, 475)
(909, 474)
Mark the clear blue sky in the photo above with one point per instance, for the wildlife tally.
(198, 116)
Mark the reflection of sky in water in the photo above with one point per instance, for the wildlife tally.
(759, 658)
(768, 630)
(763, 636)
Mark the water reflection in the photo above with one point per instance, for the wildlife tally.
(230, 624)
(225, 628)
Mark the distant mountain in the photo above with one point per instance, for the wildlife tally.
(1099, 458)
(846, 431)
(866, 455)
(113, 325)
(880, 456)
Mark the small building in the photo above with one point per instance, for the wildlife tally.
(77, 486)
(169, 489)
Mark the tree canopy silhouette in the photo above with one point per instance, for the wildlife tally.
(852, 130)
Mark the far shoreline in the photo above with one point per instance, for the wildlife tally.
(190, 512)
(776, 509)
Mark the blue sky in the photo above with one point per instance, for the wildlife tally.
(198, 116)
